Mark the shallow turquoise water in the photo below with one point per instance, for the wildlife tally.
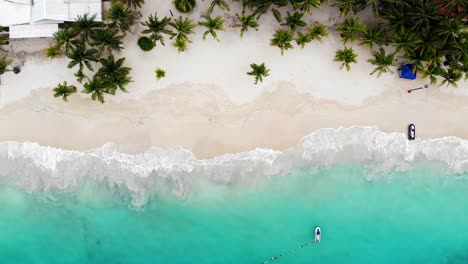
(417, 216)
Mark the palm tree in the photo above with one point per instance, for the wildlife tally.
(432, 71)
(382, 62)
(302, 39)
(135, 4)
(65, 37)
(454, 6)
(421, 16)
(221, 4)
(346, 56)
(85, 24)
(156, 27)
(371, 36)
(349, 29)
(121, 16)
(53, 52)
(318, 31)
(183, 27)
(277, 15)
(307, 5)
(96, 87)
(4, 64)
(282, 39)
(451, 77)
(348, 7)
(106, 38)
(180, 44)
(294, 21)
(450, 30)
(82, 57)
(184, 6)
(160, 73)
(212, 25)
(116, 76)
(406, 41)
(259, 71)
(246, 22)
(64, 90)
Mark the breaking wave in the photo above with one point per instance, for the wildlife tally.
(37, 168)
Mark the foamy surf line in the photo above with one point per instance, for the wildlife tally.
(37, 168)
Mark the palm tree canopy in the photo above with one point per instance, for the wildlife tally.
(4, 64)
(96, 87)
(82, 56)
(295, 20)
(282, 39)
(220, 3)
(133, 3)
(346, 56)
(184, 6)
(116, 75)
(53, 52)
(318, 31)
(349, 29)
(106, 38)
(84, 24)
(306, 5)
(212, 24)
(382, 61)
(259, 71)
(121, 15)
(372, 36)
(302, 39)
(246, 22)
(64, 90)
(156, 27)
(66, 37)
(183, 27)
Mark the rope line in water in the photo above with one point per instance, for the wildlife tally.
(284, 254)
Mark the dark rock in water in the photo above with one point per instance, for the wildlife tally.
(16, 69)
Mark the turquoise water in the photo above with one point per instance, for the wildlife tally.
(416, 216)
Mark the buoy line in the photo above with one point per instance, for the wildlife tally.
(285, 254)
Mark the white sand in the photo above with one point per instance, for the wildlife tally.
(211, 104)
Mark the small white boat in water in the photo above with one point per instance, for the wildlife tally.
(318, 234)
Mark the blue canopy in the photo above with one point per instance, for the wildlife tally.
(407, 72)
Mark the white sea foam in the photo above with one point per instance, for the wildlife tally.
(37, 168)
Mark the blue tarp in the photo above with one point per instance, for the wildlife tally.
(407, 72)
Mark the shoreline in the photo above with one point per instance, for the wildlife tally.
(205, 121)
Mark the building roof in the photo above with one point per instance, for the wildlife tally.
(65, 10)
(33, 31)
(14, 13)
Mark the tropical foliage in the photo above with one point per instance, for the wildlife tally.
(282, 39)
(302, 39)
(259, 72)
(114, 74)
(145, 43)
(64, 90)
(220, 3)
(121, 15)
(246, 22)
(350, 29)
(183, 28)
(156, 28)
(4, 65)
(97, 87)
(53, 52)
(160, 73)
(212, 24)
(295, 20)
(346, 56)
(372, 36)
(318, 31)
(382, 61)
(135, 4)
(184, 6)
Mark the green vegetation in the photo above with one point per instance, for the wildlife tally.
(135, 4)
(318, 31)
(122, 16)
(220, 3)
(160, 73)
(349, 29)
(3, 39)
(382, 62)
(64, 90)
(302, 39)
(246, 22)
(294, 21)
(145, 43)
(89, 44)
(259, 71)
(4, 65)
(156, 28)
(282, 39)
(53, 52)
(184, 6)
(372, 36)
(212, 24)
(346, 56)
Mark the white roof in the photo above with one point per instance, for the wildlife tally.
(14, 13)
(33, 31)
(65, 10)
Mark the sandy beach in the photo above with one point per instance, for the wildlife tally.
(208, 104)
